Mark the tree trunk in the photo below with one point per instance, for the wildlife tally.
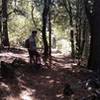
(94, 58)
(44, 20)
(71, 32)
(5, 39)
(0, 20)
(72, 43)
(83, 38)
(67, 5)
(49, 33)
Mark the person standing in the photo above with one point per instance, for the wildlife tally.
(32, 49)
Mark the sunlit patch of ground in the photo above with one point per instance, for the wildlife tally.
(9, 56)
(28, 94)
(46, 84)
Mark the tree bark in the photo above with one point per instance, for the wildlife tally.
(50, 31)
(44, 22)
(0, 19)
(5, 39)
(94, 58)
(69, 11)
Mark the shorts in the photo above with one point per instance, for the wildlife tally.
(33, 53)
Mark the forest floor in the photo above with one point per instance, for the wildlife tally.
(45, 84)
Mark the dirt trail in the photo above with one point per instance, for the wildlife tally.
(46, 84)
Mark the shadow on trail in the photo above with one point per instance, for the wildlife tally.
(13, 50)
(43, 84)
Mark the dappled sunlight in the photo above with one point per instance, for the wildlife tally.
(47, 77)
(63, 61)
(12, 98)
(65, 46)
(51, 81)
(7, 95)
(10, 55)
(68, 66)
(49, 49)
(4, 85)
(44, 84)
(28, 94)
(60, 96)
